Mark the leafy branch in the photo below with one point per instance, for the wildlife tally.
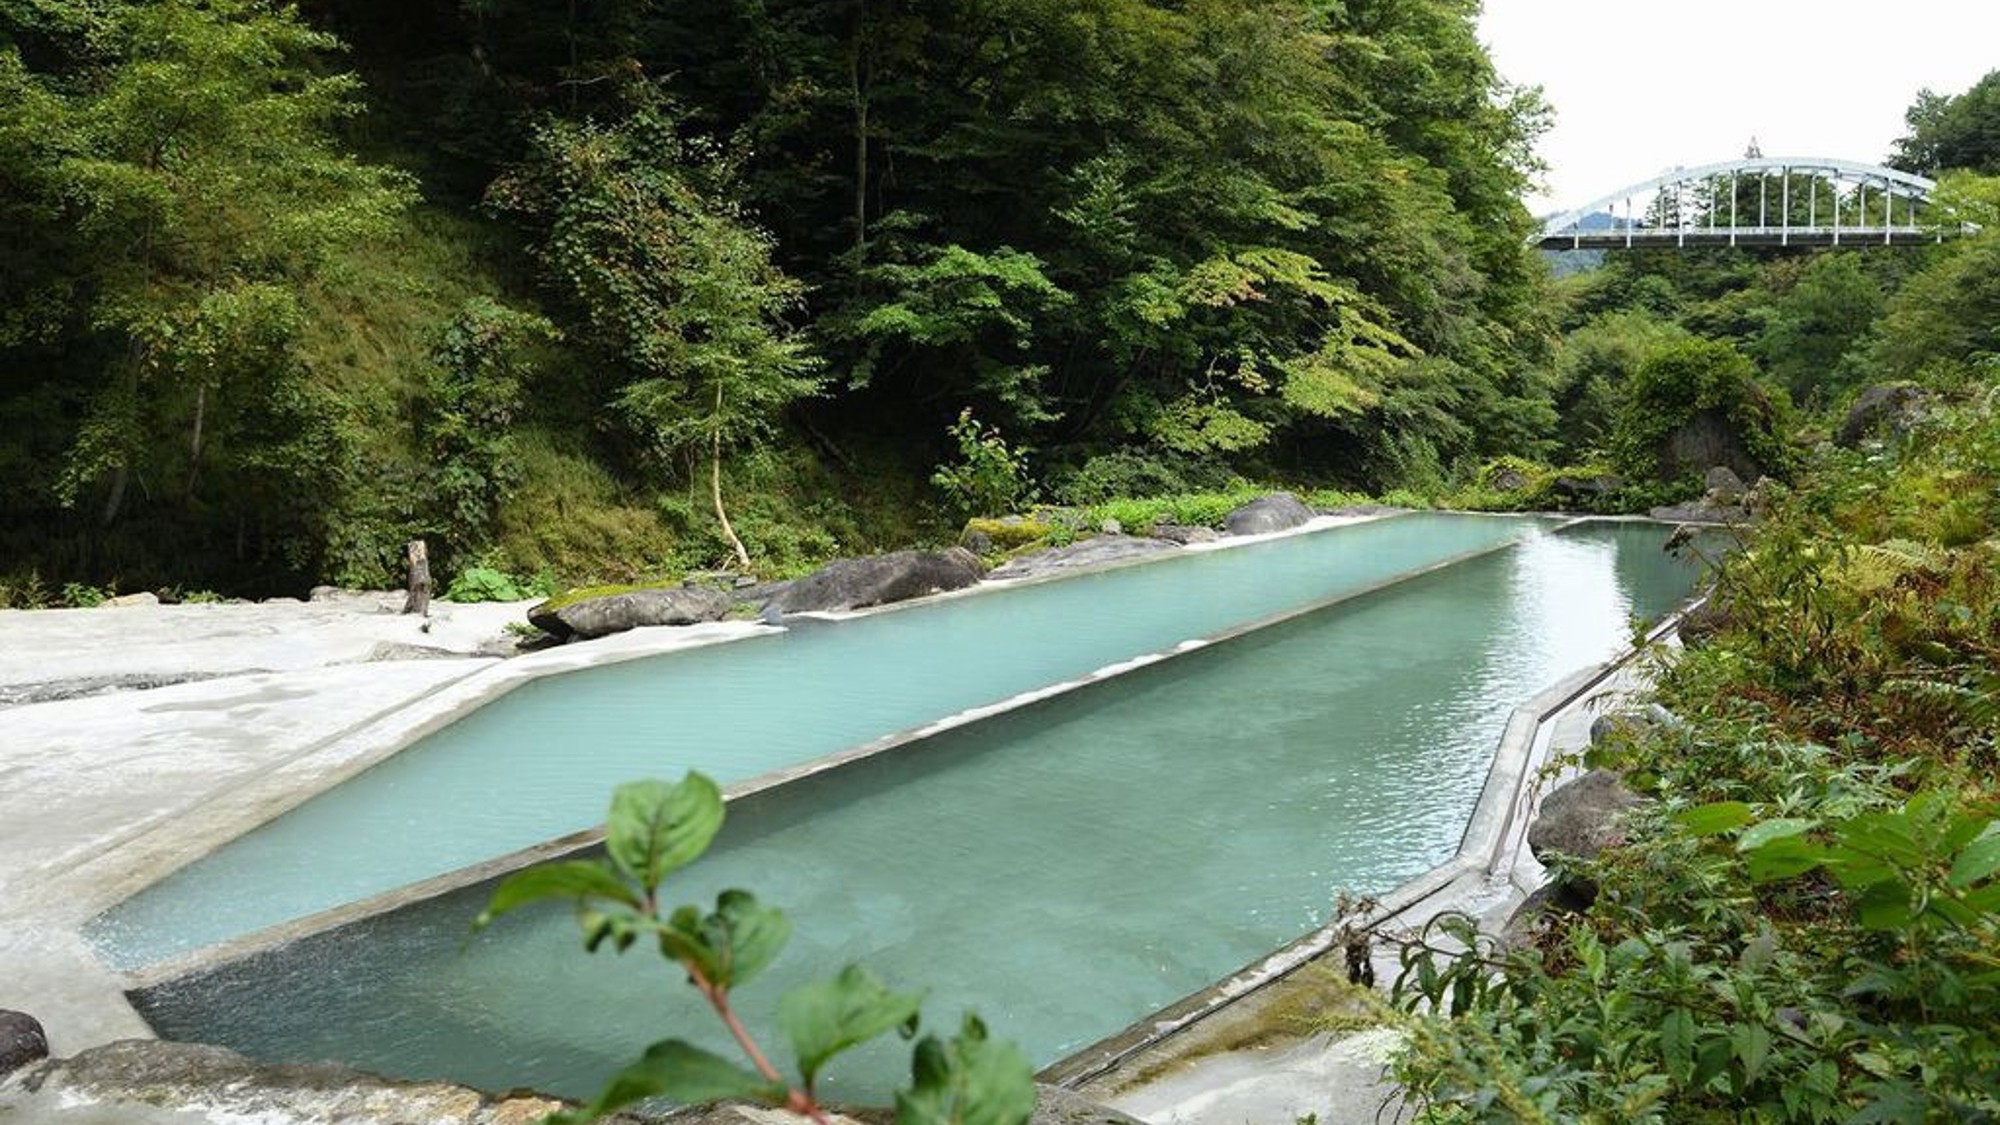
(654, 829)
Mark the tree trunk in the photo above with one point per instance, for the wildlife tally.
(194, 443)
(860, 86)
(715, 487)
(419, 599)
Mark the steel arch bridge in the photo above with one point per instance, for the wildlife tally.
(1759, 201)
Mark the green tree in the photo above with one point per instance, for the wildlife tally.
(1706, 382)
(184, 188)
(1953, 131)
(1595, 370)
(1812, 330)
(637, 231)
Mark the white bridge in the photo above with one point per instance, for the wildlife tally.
(1759, 201)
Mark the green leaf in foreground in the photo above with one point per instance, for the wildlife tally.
(1715, 819)
(824, 1018)
(1764, 832)
(570, 881)
(656, 827)
(967, 1080)
(731, 945)
(1980, 859)
(677, 1070)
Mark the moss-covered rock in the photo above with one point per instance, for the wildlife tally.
(603, 610)
(1008, 533)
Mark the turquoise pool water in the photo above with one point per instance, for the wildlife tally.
(1064, 869)
(538, 762)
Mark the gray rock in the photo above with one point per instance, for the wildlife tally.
(1585, 488)
(1631, 722)
(1526, 923)
(153, 1082)
(1725, 488)
(51, 691)
(1703, 622)
(1707, 439)
(22, 1041)
(1086, 553)
(1280, 511)
(632, 609)
(1509, 479)
(1582, 818)
(1111, 527)
(978, 542)
(879, 580)
(1701, 512)
(126, 600)
(397, 650)
(1182, 534)
(1057, 1106)
(1888, 410)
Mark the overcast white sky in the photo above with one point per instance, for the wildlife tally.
(1642, 87)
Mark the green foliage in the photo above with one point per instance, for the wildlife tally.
(1802, 928)
(1187, 509)
(1678, 384)
(1810, 339)
(1953, 131)
(488, 584)
(656, 828)
(482, 359)
(1007, 535)
(990, 478)
(679, 292)
(79, 595)
(1597, 364)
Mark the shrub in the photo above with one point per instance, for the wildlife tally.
(990, 478)
(1679, 383)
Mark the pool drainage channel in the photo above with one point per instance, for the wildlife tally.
(215, 956)
(1494, 835)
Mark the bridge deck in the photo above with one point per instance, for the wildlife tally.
(1653, 237)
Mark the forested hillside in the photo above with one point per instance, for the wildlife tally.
(551, 284)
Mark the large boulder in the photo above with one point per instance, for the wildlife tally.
(1578, 489)
(1084, 553)
(878, 580)
(616, 611)
(1280, 511)
(1582, 818)
(1881, 411)
(22, 1041)
(1631, 722)
(1706, 440)
(1725, 488)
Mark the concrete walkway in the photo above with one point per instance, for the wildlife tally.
(101, 795)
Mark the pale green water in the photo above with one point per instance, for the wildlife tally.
(1063, 870)
(538, 763)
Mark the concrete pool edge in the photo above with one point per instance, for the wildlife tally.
(1494, 835)
(214, 956)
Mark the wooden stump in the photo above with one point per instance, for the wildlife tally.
(419, 558)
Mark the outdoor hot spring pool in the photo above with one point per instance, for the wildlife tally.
(1063, 869)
